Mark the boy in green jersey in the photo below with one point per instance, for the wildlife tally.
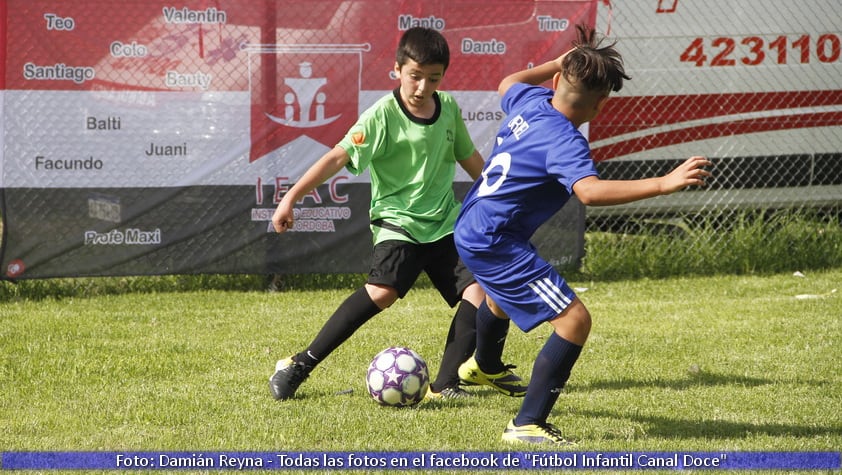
(410, 141)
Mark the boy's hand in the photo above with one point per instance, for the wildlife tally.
(283, 218)
(560, 60)
(689, 173)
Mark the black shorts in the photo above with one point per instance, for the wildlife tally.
(399, 263)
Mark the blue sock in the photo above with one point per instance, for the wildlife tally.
(549, 375)
(491, 338)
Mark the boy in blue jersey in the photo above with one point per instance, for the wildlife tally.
(539, 161)
(410, 141)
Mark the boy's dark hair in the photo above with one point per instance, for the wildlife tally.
(598, 68)
(424, 46)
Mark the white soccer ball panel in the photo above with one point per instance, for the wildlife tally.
(376, 381)
(411, 384)
(392, 397)
(406, 362)
(384, 361)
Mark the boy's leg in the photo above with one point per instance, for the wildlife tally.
(394, 269)
(460, 345)
(487, 367)
(350, 316)
(456, 285)
(357, 309)
(492, 333)
(550, 373)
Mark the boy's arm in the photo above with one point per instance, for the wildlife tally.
(473, 165)
(327, 166)
(533, 76)
(592, 191)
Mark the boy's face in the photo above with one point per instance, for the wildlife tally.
(418, 83)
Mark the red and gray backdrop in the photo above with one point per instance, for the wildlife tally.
(157, 137)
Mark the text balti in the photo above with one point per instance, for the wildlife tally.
(108, 123)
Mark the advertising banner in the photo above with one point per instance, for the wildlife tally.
(157, 137)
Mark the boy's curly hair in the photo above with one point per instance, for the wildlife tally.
(598, 68)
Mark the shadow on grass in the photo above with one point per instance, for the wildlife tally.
(328, 398)
(692, 380)
(678, 428)
(673, 427)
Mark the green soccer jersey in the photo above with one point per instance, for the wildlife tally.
(412, 163)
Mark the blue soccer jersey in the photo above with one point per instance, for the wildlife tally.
(538, 157)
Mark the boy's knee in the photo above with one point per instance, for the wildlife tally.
(584, 318)
(474, 294)
(495, 309)
(574, 323)
(382, 295)
(580, 316)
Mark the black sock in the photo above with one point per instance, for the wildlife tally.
(491, 338)
(549, 375)
(460, 345)
(351, 315)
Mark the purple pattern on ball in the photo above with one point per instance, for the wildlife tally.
(397, 376)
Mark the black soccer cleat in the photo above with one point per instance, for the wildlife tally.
(288, 376)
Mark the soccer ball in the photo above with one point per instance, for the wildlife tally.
(397, 376)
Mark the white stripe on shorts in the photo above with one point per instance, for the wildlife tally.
(551, 294)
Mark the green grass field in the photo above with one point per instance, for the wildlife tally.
(726, 363)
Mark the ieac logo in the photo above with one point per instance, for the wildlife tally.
(302, 90)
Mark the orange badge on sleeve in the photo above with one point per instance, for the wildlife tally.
(357, 138)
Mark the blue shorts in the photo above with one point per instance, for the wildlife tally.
(523, 284)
